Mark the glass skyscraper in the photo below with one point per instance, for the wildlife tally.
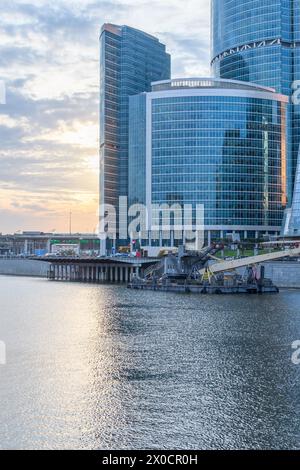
(129, 61)
(219, 143)
(259, 41)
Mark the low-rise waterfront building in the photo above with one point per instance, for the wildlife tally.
(40, 243)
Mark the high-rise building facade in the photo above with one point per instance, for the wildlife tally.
(259, 41)
(129, 61)
(219, 143)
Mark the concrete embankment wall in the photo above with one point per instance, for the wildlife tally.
(284, 273)
(23, 267)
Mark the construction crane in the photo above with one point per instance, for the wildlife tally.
(222, 266)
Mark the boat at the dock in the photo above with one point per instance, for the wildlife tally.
(253, 282)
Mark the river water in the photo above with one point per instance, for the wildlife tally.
(103, 367)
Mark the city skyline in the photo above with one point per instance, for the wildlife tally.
(150, 228)
(49, 126)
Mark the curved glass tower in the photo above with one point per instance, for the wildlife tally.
(219, 143)
(259, 41)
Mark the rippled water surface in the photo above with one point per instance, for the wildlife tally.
(103, 367)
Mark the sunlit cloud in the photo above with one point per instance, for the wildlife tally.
(81, 134)
(49, 60)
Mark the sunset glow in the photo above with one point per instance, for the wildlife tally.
(49, 126)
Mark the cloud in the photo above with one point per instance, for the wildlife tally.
(18, 55)
(49, 59)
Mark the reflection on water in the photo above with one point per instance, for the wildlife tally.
(102, 367)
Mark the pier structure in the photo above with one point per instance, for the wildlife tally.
(96, 270)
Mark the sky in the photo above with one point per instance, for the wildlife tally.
(49, 61)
